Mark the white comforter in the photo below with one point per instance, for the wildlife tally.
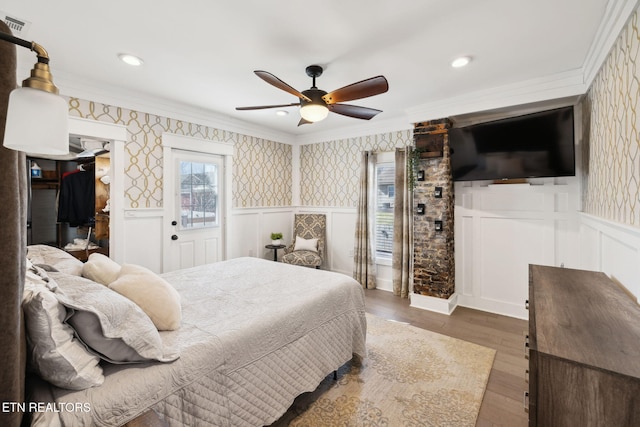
(254, 335)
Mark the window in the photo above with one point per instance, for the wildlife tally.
(198, 194)
(384, 203)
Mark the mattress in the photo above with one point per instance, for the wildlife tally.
(255, 334)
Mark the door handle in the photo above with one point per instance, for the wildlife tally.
(174, 237)
(174, 222)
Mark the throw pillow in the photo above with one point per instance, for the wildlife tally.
(114, 327)
(154, 295)
(54, 353)
(57, 258)
(305, 244)
(100, 268)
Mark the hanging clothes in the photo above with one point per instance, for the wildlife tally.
(76, 202)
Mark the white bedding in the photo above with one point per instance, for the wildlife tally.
(254, 335)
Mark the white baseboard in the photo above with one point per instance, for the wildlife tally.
(439, 305)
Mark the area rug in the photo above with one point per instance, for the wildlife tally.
(410, 377)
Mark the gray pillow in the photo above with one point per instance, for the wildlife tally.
(54, 353)
(111, 325)
(55, 258)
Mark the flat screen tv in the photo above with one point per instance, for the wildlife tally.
(534, 145)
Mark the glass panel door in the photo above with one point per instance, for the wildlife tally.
(198, 183)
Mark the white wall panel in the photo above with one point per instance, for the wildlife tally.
(612, 248)
(341, 241)
(251, 230)
(590, 248)
(244, 234)
(502, 228)
(507, 247)
(142, 238)
(512, 201)
(619, 261)
(464, 244)
(249, 233)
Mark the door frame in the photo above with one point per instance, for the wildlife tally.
(117, 136)
(172, 141)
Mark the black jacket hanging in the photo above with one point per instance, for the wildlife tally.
(76, 204)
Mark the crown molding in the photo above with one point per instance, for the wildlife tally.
(617, 14)
(74, 86)
(561, 85)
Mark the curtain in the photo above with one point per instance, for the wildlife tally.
(13, 190)
(402, 257)
(364, 267)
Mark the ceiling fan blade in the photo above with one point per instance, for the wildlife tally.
(262, 107)
(362, 89)
(274, 81)
(354, 111)
(303, 122)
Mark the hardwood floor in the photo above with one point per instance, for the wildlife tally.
(503, 400)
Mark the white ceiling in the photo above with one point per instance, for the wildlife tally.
(202, 53)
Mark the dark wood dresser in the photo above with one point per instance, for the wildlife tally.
(583, 348)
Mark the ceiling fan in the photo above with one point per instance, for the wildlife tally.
(315, 103)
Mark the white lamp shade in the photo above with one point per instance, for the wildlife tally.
(37, 122)
(314, 112)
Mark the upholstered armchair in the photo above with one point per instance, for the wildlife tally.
(308, 247)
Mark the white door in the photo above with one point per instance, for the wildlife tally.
(197, 200)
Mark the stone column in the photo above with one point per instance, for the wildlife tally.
(433, 269)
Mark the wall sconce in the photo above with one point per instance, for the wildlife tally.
(438, 226)
(437, 193)
(37, 117)
(421, 209)
(420, 175)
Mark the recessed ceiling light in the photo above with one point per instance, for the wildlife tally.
(130, 59)
(460, 62)
(282, 113)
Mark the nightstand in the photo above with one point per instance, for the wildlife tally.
(275, 250)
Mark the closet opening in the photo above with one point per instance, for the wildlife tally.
(69, 195)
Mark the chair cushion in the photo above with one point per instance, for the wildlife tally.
(308, 258)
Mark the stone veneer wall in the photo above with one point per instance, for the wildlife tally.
(433, 255)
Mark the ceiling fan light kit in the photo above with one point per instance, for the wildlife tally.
(313, 112)
(315, 103)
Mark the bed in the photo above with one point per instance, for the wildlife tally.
(253, 335)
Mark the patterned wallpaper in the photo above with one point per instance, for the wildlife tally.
(330, 170)
(612, 155)
(261, 168)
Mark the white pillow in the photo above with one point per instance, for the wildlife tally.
(100, 268)
(154, 295)
(305, 244)
(111, 325)
(54, 353)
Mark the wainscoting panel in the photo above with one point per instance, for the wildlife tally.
(143, 238)
(251, 230)
(244, 234)
(612, 248)
(502, 228)
(464, 242)
(341, 241)
(249, 233)
(500, 263)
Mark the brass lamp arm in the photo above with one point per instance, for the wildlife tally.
(41, 77)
